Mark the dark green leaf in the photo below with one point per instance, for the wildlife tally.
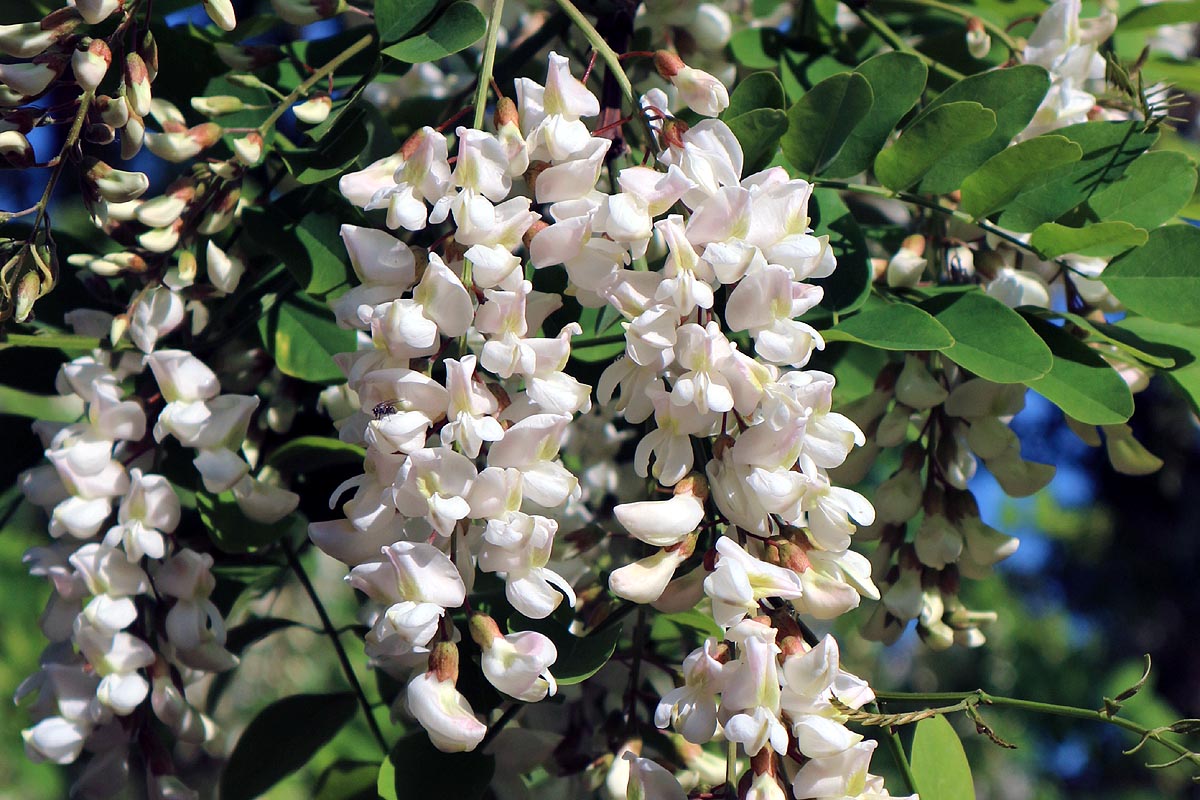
(338, 148)
(897, 80)
(1152, 190)
(758, 132)
(1160, 279)
(313, 452)
(1168, 13)
(48, 408)
(1127, 343)
(990, 339)
(458, 27)
(1004, 175)
(396, 18)
(939, 764)
(1080, 382)
(1013, 93)
(1108, 149)
(311, 249)
(1102, 240)
(579, 657)
(850, 284)
(1179, 342)
(416, 770)
(234, 532)
(756, 48)
(821, 121)
(930, 139)
(302, 337)
(281, 739)
(253, 630)
(896, 326)
(760, 90)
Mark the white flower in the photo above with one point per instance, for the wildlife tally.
(662, 523)
(444, 713)
(519, 545)
(692, 708)
(517, 664)
(741, 580)
(645, 580)
(433, 483)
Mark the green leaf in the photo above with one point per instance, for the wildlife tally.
(338, 148)
(313, 452)
(302, 337)
(1127, 343)
(1152, 191)
(234, 532)
(897, 81)
(281, 739)
(1108, 149)
(850, 284)
(416, 770)
(939, 764)
(1080, 382)
(756, 91)
(611, 337)
(1102, 240)
(458, 27)
(758, 132)
(1168, 13)
(929, 139)
(69, 343)
(1160, 279)
(1004, 175)
(579, 657)
(48, 408)
(311, 249)
(1013, 94)
(253, 630)
(756, 48)
(396, 18)
(1179, 342)
(348, 780)
(990, 339)
(821, 121)
(897, 326)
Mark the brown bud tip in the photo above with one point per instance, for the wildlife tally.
(411, 144)
(695, 485)
(135, 69)
(710, 560)
(533, 230)
(914, 244)
(668, 64)
(443, 661)
(673, 131)
(483, 630)
(974, 25)
(763, 762)
(506, 113)
(536, 168)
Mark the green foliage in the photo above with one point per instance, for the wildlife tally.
(939, 764)
(231, 531)
(821, 121)
(850, 284)
(416, 770)
(1102, 239)
(281, 739)
(1080, 382)
(303, 337)
(1178, 342)
(1003, 176)
(313, 452)
(455, 29)
(1162, 278)
(1151, 192)
(990, 339)
(394, 19)
(579, 657)
(897, 326)
(929, 139)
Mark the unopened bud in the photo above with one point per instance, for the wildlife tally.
(1127, 454)
(916, 388)
(113, 112)
(673, 131)
(16, 149)
(137, 85)
(133, 134)
(907, 265)
(221, 12)
(533, 230)
(115, 185)
(443, 661)
(695, 485)
(31, 78)
(700, 91)
(148, 49)
(25, 39)
(314, 110)
(484, 630)
(95, 11)
(249, 148)
(29, 289)
(506, 113)
(979, 44)
(304, 12)
(218, 104)
(90, 65)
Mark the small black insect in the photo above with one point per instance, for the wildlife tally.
(384, 409)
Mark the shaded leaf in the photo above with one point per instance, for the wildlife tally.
(1172, 12)
(303, 337)
(1004, 175)
(281, 739)
(234, 532)
(1080, 382)
(1013, 94)
(1179, 342)
(579, 657)
(821, 121)
(897, 326)
(252, 630)
(458, 27)
(850, 284)
(396, 18)
(416, 770)
(897, 81)
(756, 91)
(990, 339)
(929, 139)
(348, 780)
(313, 452)
(1160, 279)
(48, 408)
(758, 132)
(1102, 240)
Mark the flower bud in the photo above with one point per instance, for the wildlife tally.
(137, 85)
(26, 39)
(94, 11)
(112, 111)
(178, 146)
(1127, 454)
(221, 12)
(16, 149)
(133, 134)
(249, 148)
(218, 104)
(893, 427)
(223, 271)
(90, 65)
(115, 185)
(147, 48)
(960, 264)
(898, 499)
(303, 12)
(314, 110)
(700, 91)
(918, 389)
(979, 43)
(907, 265)
(30, 79)
(644, 581)
(938, 541)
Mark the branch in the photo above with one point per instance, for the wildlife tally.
(489, 61)
(312, 80)
(886, 33)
